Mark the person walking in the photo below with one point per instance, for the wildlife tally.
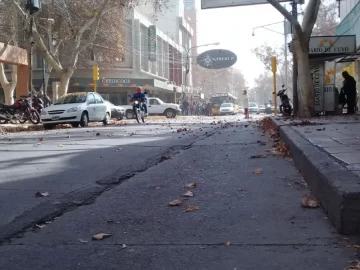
(185, 107)
(349, 87)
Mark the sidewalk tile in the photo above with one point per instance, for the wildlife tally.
(339, 149)
(349, 158)
(354, 167)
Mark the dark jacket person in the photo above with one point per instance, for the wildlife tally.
(349, 88)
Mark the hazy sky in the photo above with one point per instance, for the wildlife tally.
(233, 27)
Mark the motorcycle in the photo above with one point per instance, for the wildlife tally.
(139, 109)
(285, 107)
(21, 111)
(38, 104)
(140, 112)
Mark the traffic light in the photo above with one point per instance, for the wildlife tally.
(96, 75)
(33, 6)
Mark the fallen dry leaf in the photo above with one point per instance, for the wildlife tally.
(188, 194)
(83, 241)
(164, 158)
(228, 243)
(42, 194)
(191, 208)
(101, 236)
(257, 171)
(176, 202)
(157, 187)
(41, 139)
(191, 185)
(258, 156)
(308, 202)
(356, 266)
(60, 145)
(356, 246)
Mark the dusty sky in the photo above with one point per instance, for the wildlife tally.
(233, 28)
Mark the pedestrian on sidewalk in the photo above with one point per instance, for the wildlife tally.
(349, 87)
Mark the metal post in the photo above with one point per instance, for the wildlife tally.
(95, 86)
(30, 57)
(286, 52)
(274, 69)
(295, 67)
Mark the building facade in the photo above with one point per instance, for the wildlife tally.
(152, 60)
(172, 21)
(190, 13)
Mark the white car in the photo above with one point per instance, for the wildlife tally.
(76, 109)
(226, 108)
(253, 108)
(155, 106)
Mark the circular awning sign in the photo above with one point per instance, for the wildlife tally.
(216, 59)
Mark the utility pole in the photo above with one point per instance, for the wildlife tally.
(32, 6)
(295, 68)
(286, 52)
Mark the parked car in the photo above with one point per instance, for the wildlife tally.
(76, 109)
(262, 109)
(253, 108)
(117, 112)
(226, 108)
(155, 106)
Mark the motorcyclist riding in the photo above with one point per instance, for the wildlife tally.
(139, 95)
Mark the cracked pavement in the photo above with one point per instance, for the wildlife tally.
(244, 221)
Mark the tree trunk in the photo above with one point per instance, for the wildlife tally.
(8, 87)
(65, 80)
(305, 87)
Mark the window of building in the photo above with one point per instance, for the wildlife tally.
(144, 48)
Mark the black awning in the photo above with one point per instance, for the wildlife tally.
(349, 58)
(339, 58)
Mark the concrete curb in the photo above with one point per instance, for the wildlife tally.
(337, 189)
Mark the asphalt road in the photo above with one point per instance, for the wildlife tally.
(119, 180)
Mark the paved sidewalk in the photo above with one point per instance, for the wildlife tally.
(337, 136)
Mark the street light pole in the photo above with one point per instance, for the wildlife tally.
(294, 67)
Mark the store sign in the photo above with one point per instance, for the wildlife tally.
(232, 3)
(317, 74)
(117, 81)
(216, 59)
(152, 42)
(329, 86)
(332, 45)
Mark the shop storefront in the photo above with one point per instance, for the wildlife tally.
(116, 90)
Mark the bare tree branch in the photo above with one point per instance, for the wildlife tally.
(288, 16)
(310, 17)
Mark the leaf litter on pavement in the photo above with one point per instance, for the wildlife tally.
(188, 194)
(309, 202)
(258, 171)
(191, 208)
(42, 194)
(177, 202)
(101, 236)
